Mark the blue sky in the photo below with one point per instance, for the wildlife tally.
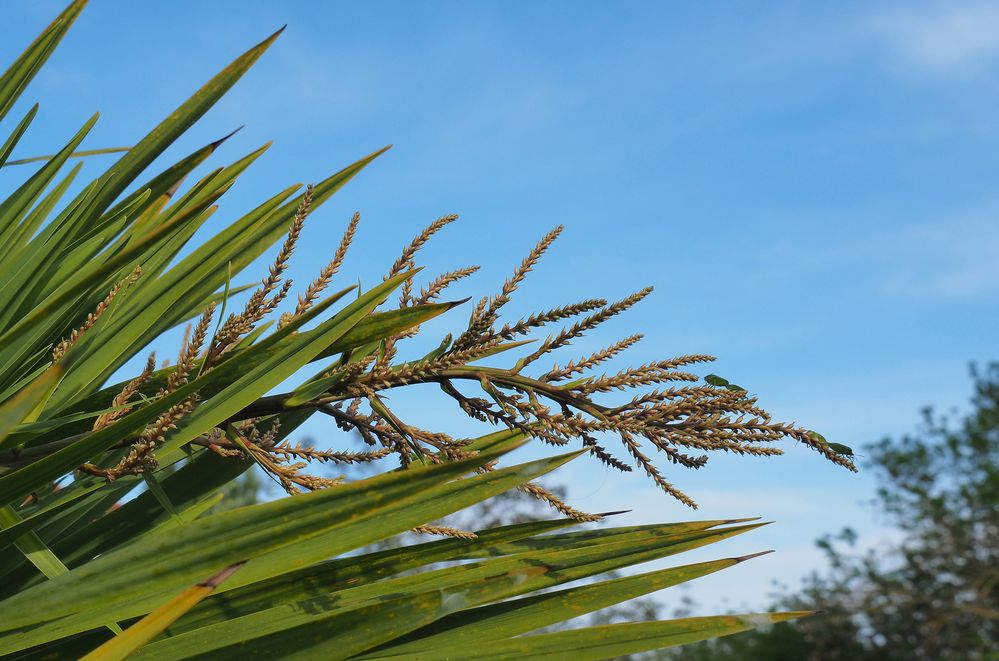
(811, 188)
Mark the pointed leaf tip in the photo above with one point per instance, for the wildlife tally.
(216, 144)
(256, 51)
(275, 35)
(217, 579)
(744, 558)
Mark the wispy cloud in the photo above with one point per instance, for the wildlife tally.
(902, 255)
(950, 258)
(943, 39)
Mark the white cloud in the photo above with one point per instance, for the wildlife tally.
(946, 39)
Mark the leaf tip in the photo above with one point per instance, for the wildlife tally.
(269, 40)
(217, 579)
(744, 558)
(216, 144)
(453, 304)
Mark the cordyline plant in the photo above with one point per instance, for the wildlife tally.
(110, 543)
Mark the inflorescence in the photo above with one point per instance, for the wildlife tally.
(672, 413)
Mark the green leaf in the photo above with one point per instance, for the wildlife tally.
(185, 487)
(37, 553)
(153, 144)
(155, 488)
(684, 536)
(77, 154)
(333, 575)
(162, 186)
(519, 616)
(16, 78)
(40, 516)
(463, 586)
(336, 634)
(94, 273)
(611, 641)
(274, 536)
(25, 480)
(15, 241)
(164, 301)
(19, 408)
(522, 572)
(33, 548)
(16, 134)
(15, 206)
